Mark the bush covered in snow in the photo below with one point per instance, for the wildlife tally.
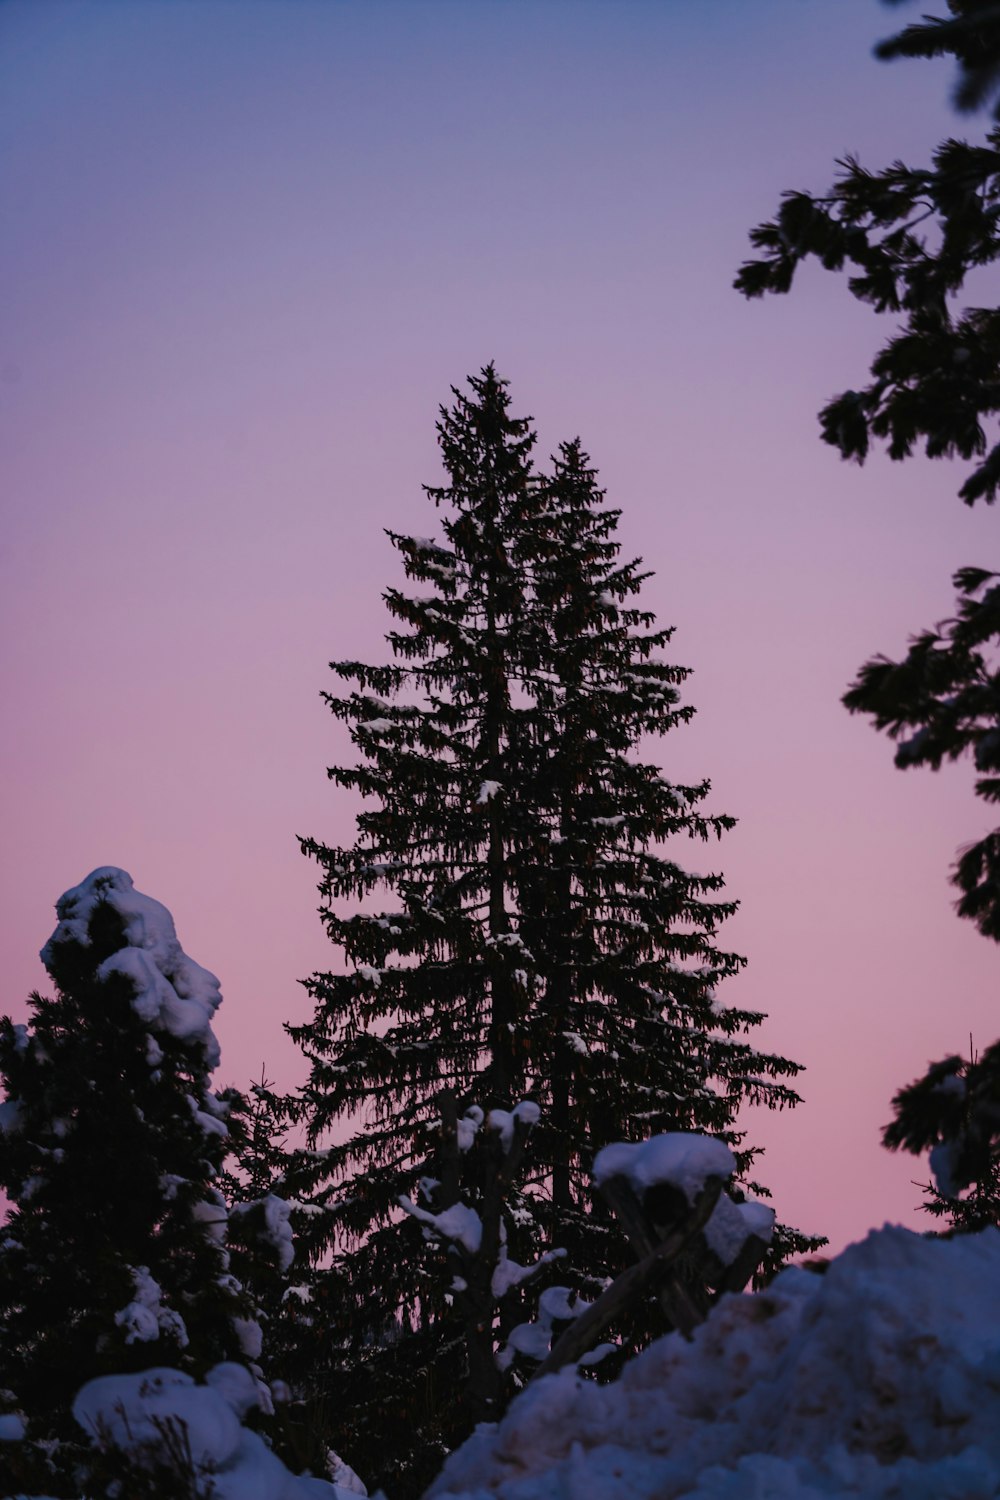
(880, 1378)
(114, 1255)
(162, 1434)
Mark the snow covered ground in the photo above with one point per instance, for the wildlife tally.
(879, 1378)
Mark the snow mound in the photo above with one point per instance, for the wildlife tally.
(880, 1378)
(172, 993)
(130, 1411)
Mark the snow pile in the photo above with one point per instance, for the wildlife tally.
(879, 1379)
(172, 993)
(130, 1413)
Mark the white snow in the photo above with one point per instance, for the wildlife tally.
(173, 994)
(249, 1336)
(682, 1158)
(343, 1475)
(209, 1122)
(942, 1160)
(508, 1273)
(557, 1304)
(758, 1219)
(459, 1223)
(128, 1411)
(212, 1215)
(732, 1223)
(468, 1125)
(277, 1225)
(879, 1379)
(488, 791)
(505, 1121)
(145, 1318)
(11, 1427)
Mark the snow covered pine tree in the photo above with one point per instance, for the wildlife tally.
(113, 1257)
(543, 950)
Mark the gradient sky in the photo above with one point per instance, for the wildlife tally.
(249, 245)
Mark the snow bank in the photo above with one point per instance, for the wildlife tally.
(128, 1412)
(172, 993)
(879, 1379)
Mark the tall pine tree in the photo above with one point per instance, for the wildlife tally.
(628, 1038)
(539, 942)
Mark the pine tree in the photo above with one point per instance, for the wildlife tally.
(912, 237)
(628, 1038)
(953, 1112)
(538, 946)
(113, 1256)
(440, 733)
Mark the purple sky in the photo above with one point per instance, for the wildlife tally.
(249, 245)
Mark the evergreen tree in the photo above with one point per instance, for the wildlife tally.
(627, 1038)
(538, 946)
(113, 1256)
(935, 382)
(912, 237)
(441, 732)
(953, 1112)
(265, 1222)
(942, 702)
(971, 35)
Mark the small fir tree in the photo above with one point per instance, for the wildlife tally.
(953, 1112)
(113, 1255)
(539, 944)
(265, 1220)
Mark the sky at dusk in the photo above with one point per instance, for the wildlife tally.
(249, 246)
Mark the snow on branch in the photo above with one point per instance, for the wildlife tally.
(171, 993)
(669, 1194)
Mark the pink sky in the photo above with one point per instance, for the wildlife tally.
(249, 247)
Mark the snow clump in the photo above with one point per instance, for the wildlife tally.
(277, 1228)
(172, 993)
(878, 1379)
